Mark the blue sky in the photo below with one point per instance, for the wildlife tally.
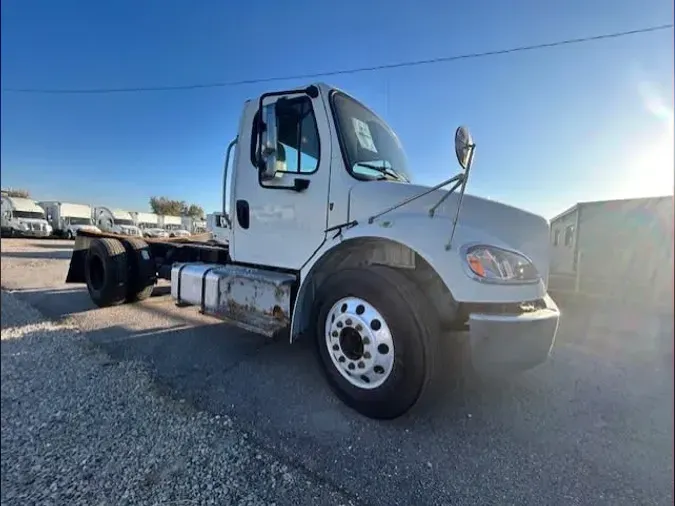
(553, 127)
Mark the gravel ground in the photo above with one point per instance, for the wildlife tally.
(594, 425)
(79, 428)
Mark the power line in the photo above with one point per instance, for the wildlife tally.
(415, 63)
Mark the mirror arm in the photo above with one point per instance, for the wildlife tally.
(415, 197)
(461, 196)
(444, 197)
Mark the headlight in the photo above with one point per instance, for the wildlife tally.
(497, 265)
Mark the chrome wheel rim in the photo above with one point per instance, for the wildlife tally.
(359, 342)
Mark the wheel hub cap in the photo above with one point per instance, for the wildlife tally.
(359, 342)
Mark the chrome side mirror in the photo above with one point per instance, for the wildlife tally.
(268, 148)
(464, 147)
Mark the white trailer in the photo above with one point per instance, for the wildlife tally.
(329, 240)
(148, 223)
(173, 225)
(116, 221)
(23, 218)
(217, 225)
(67, 219)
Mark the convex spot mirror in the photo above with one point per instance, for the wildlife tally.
(268, 145)
(464, 147)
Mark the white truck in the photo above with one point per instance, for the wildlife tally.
(67, 219)
(148, 223)
(116, 221)
(23, 218)
(193, 225)
(173, 225)
(199, 227)
(216, 224)
(331, 241)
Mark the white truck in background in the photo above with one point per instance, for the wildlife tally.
(217, 226)
(67, 219)
(330, 240)
(148, 223)
(199, 227)
(194, 225)
(23, 218)
(173, 225)
(116, 221)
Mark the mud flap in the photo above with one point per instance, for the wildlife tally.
(78, 259)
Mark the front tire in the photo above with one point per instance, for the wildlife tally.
(375, 339)
(69, 235)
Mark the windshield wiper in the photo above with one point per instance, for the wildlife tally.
(385, 171)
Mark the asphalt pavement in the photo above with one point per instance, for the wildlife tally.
(593, 425)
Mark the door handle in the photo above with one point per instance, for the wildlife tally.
(243, 214)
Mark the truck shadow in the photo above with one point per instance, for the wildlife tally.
(40, 255)
(66, 245)
(59, 303)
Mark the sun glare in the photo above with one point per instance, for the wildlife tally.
(651, 170)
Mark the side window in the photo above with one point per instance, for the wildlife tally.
(569, 235)
(297, 135)
(556, 237)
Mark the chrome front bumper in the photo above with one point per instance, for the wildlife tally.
(504, 344)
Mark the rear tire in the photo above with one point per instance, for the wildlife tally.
(393, 366)
(143, 275)
(105, 272)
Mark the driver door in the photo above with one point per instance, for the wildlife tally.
(274, 224)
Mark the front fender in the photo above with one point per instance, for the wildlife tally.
(428, 237)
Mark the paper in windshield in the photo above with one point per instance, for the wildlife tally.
(363, 135)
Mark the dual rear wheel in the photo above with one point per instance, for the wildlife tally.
(118, 271)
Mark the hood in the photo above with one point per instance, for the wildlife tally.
(180, 231)
(480, 220)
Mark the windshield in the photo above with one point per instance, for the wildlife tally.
(124, 222)
(80, 221)
(371, 148)
(35, 215)
(173, 227)
(147, 225)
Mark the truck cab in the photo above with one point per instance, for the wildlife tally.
(22, 217)
(217, 226)
(330, 239)
(173, 225)
(116, 221)
(68, 219)
(148, 224)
